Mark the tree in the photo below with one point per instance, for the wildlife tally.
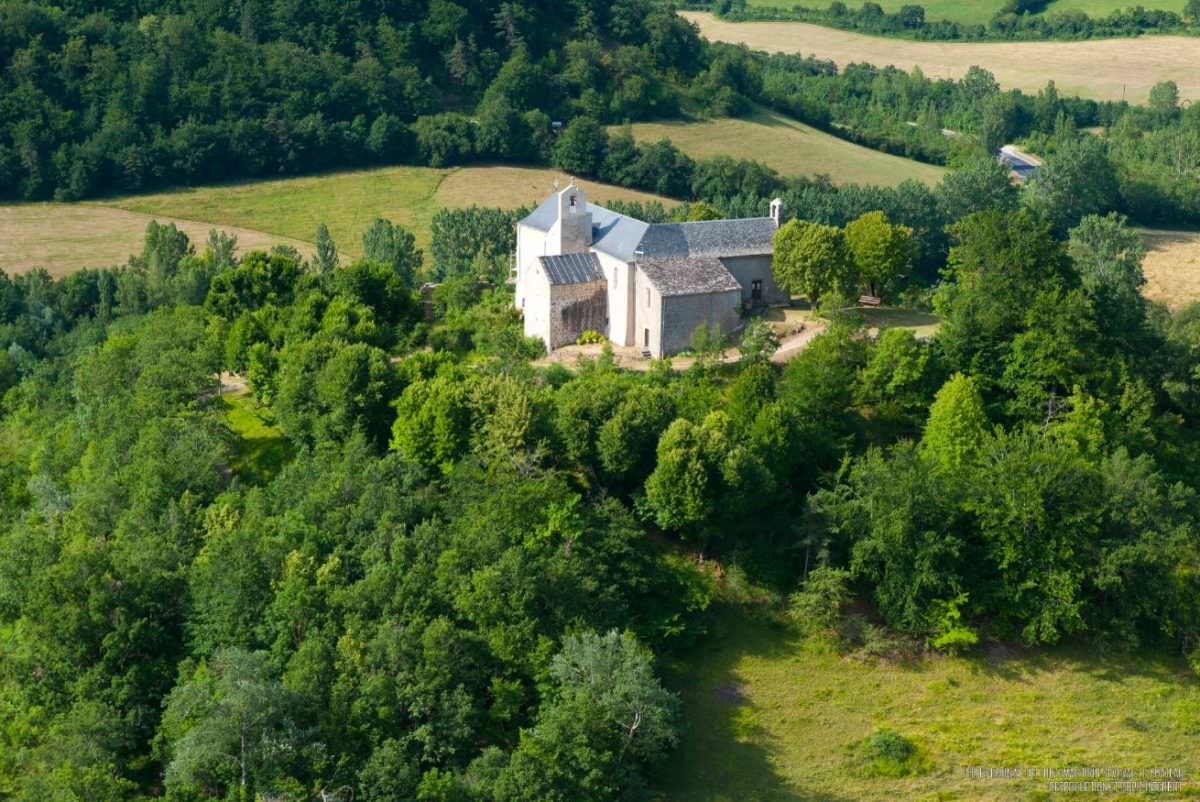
(626, 442)
(1192, 11)
(811, 259)
(759, 342)
(231, 722)
(1002, 262)
(1077, 180)
(1164, 100)
(980, 184)
(386, 242)
(906, 534)
(996, 122)
(882, 252)
(326, 251)
(581, 147)
(703, 479)
(607, 717)
(897, 372)
(1108, 255)
(957, 427)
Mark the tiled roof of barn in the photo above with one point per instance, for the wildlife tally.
(684, 275)
(572, 268)
(751, 236)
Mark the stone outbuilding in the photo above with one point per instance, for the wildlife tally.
(580, 266)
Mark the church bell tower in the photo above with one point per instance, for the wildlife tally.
(572, 230)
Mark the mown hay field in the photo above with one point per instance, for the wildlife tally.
(1172, 267)
(789, 146)
(978, 12)
(67, 237)
(770, 717)
(1104, 69)
(64, 237)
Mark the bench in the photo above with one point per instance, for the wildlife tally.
(870, 300)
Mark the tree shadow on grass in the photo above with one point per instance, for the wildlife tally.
(725, 753)
(1016, 662)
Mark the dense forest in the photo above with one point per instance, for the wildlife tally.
(112, 96)
(109, 100)
(442, 572)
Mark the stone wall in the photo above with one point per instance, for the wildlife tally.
(575, 308)
(681, 314)
(747, 269)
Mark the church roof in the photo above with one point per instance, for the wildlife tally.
(683, 275)
(627, 239)
(613, 233)
(751, 236)
(572, 268)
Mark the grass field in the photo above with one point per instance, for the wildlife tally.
(261, 449)
(790, 147)
(1172, 267)
(66, 237)
(972, 12)
(769, 718)
(1105, 69)
(969, 12)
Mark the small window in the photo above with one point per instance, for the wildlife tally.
(572, 201)
(647, 297)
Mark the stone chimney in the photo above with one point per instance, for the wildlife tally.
(777, 211)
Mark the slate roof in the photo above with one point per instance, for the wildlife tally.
(572, 268)
(626, 239)
(687, 275)
(752, 236)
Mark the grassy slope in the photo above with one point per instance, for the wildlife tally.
(980, 11)
(768, 718)
(347, 202)
(66, 237)
(791, 147)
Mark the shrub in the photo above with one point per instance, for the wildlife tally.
(949, 633)
(817, 606)
(589, 337)
(886, 753)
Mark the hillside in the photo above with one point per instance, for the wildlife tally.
(789, 147)
(66, 237)
(1107, 69)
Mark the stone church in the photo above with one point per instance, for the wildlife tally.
(581, 266)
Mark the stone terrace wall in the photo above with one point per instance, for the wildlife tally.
(574, 308)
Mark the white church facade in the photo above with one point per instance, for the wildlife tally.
(580, 266)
